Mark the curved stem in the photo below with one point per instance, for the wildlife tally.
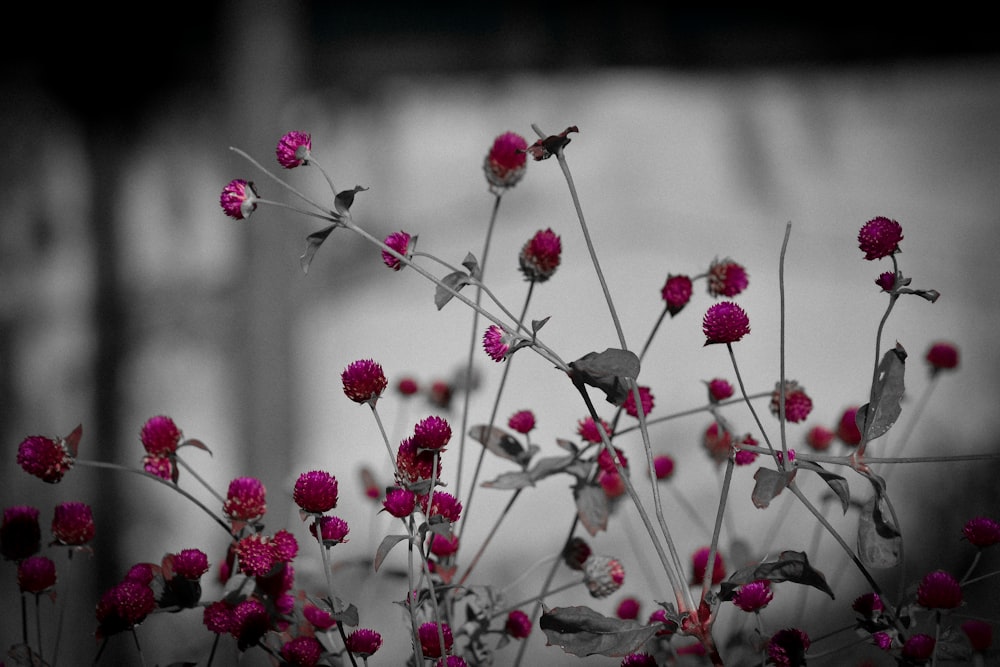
(280, 182)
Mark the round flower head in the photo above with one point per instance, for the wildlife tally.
(497, 342)
(744, 457)
(587, 429)
(239, 199)
(539, 257)
(400, 242)
(603, 575)
(506, 162)
(442, 546)
(286, 547)
(36, 574)
(645, 398)
(45, 458)
(415, 465)
(787, 648)
(518, 624)
(882, 639)
(847, 429)
(612, 484)
(432, 433)
(942, 356)
(218, 617)
(663, 466)
(20, 533)
(315, 492)
(939, 590)
(246, 499)
(719, 390)
(123, 606)
(364, 381)
(522, 421)
(868, 605)
(627, 609)
(886, 281)
(660, 616)
(699, 562)
(191, 564)
(918, 648)
(407, 386)
(302, 651)
(718, 442)
(451, 661)
(820, 438)
(73, 523)
(676, 292)
(607, 464)
(798, 405)
(159, 466)
(160, 436)
(880, 237)
(363, 642)
(430, 642)
(334, 530)
(250, 622)
(256, 555)
(400, 502)
(639, 660)
(753, 596)
(725, 322)
(575, 553)
(444, 505)
(293, 149)
(320, 619)
(726, 278)
(982, 531)
(980, 634)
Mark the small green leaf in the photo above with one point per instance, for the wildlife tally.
(769, 484)
(388, 542)
(607, 371)
(581, 631)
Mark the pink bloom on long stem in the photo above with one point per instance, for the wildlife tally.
(160, 435)
(293, 149)
(443, 505)
(414, 464)
(400, 502)
(506, 161)
(919, 647)
(880, 237)
(980, 634)
(719, 390)
(160, 466)
(798, 405)
(982, 531)
(787, 648)
(663, 466)
(407, 386)
(315, 492)
(718, 442)
(443, 546)
(587, 429)
(942, 356)
(518, 624)
(256, 555)
(753, 596)
(676, 292)
(847, 428)
(333, 529)
(726, 278)
(190, 564)
(36, 574)
(20, 533)
(239, 199)
(540, 256)
(400, 242)
(364, 381)
(939, 590)
(645, 397)
(302, 651)
(628, 609)
(699, 562)
(218, 617)
(246, 499)
(886, 281)
(869, 605)
(725, 322)
(364, 642)
(607, 464)
(496, 342)
(73, 523)
(522, 421)
(123, 606)
(820, 438)
(432, 433)
(45, 458)
(603, 575)
(430, 642)
(286, 547)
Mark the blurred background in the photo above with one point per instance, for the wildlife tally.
(128, 294)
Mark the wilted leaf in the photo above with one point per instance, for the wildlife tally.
(878, 539)
(790, 566)
(769, 484)
(501, 443)
(388, 542)
(471, 264)
(876, 418)
(313, 242)
(345, 199)
(198, 444)
(348, 614)
(581, 631)
(72, 441)
(591, 507)
(543, 468)
(456, 281)
(607, 371)
(836, 482)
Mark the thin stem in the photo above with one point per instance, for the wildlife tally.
(63, 603)
(781, 340)
(652, 333)
(314, 163)
(878, 353)
(324, 556)
(486, 542)
(694, 411)
(191, 471)
(278, 180)
(714, 548)
(38, 628)
(135, 638)
(537, 598)
(385, 439)
(746, 399)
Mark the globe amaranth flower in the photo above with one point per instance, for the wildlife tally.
(939, 590)
(364, 381)
(400, 502)
(302, 651)
(497, 343)
(160, 466)
(607, 464)
(432, 433)
(603, 575)
(744, 457)
(575, 553)
(142, 573)
(400, 242)
(218, 617)
(522, 421)
(880, 237)
(315, 492)
(286, 547)
(540, 256)
(819, 438)
(798, 405)
(753, 596)
(886, 281)
(719, 390)
(982, 531)
(918, 647)
(363, 642)
(645, 398)
(73, 523)
(443, 505)
(20, 532)
(718, 442)
(443, 546)
(659, 616)
(333, 529)
(506, 161)
(250, 622)
(246, 499)
(160, 436)
(239, 199)
(847, 428)
(416, 465)
(725, 322)
(980, 634)
(639, 660)
(699, 562)
(190, 564)
(663, 466)
(518, 624)
(293, 149)
(123, 606)
(320, 619)
(45, 458)
(882, 639)
(407, 386)
(942, 356)
(36, 574)
(612, 484)
(676, 292)
(787, 648)
(627, 609)
(430, 641)
(869, 605)
(726, 278)
(587, 429)
(256, 555)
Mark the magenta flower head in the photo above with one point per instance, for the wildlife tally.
(798, 405)
(719, 390)
(430, 642)
(540, 256)
(190, 564)
(293, 149)
(628, 609)
(73, 523)
(980, 634)
(787, 648)
(639, 660)
(587, 429)
(820, 438)
(645, 398)
(363, 642)
(256, 555)
(333, 529)
(497, 343)
(918, 648)
(302, 651)
(676, 292)
(160, 436)
(246, 499)
(607, 464)
(415, 465)
(444, 505)
(20, 533)
(847, 429)
(522, 421)
(251, 622)
(939, 590)
(160, 466)
(364, 381)
(753, 596)
(886, 281)
(726, 278)
(432, 433)
(218, 617)
(45, 458)
(982, 531)
(400, 502)
(239, 199)
(506, 162)
(603, 575)
(315, 492)
(443, 546)
(123, 606)
(880, 237)
(36, 574)
(663, 466)
(518, 624)
(400, 242)
(942, 356)
(699, 562)
(869, 605)
(718, 442)
(725, 322)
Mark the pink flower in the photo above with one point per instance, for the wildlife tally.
(719, 390)
(430, 642)
(160, 436)
(432, 433)
(660, 616)
(400, 502)
(676, 292)
(980, 634)
(663, 466)
(318, 618)
(725, 322)
(302, 651)
(612, 484)
(540, 256)
(880, 237)
(787, 648)
(744, 457)
(293, 149)
(718, 442)
(939, 590)
(847, 429)
(753, 596)
(190, 564)
(518, 624)
(798, 405)
(315, 492)
(646, 399)
(123, 606)
(285, 546)
(505, 164)
(522, 421)
(868, 605)
(364, 381)
(246, 499)
(726, 278)
(982, 531)
(886, 281)
(20, 533)
(443, 505)
(587, 429)
(919, 647)
(256, 555)
(333, 529)
(699, 562)
(160, 466)
(442, 546)
(36, 574)
(606, 463)
(400, 242)
(218, 617)
(451, 661)
(363, 642)
(820, 438)
(45, 458)
(73, 523)
(497, 342)
(628, 609)
(407, 386)
(883, 640)
(414, 464)
(639, 660)
(239, 199)
(250, 622)
(942, 356)
(603, 575)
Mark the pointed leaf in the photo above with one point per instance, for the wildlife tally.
(456, 281)
(471, 264)
(345, 199)
(543, 468)
(878, 539)
(836, 482)
(72, 441)
(769, 484)
(538, 324)
(581, 631)
(876, 418)
(501, 443)
(508, 481)
(348, 614)
(790, 566)
(198, 444)
(591, 507)
(388, 542)
(568, 445)
(313, 242)
(607, 371)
